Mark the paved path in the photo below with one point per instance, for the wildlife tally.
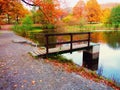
(19, 71)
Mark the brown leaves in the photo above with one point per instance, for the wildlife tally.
(33, 82)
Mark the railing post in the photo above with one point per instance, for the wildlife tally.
(71, 40)
(88, 39)
(47, 44)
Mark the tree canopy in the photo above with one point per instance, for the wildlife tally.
(79, 9)
(93, 11)
(12, 9)
(115, 17)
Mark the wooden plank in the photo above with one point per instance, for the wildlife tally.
(63, 49)
(33, 54)
(63, 34)
(37, 52)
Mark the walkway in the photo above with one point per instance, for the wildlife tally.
(19, 71)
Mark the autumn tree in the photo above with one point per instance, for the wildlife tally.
(93, 11)
(79, 9)
(105, 15)
(115, 17)
(49, 9)
(18, 11)
(12, 9)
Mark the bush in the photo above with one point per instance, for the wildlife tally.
(114, 18)
(25, 27)
(27, 23)
(48, 26)
(82, 22)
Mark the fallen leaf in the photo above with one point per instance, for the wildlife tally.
(40, 80)
(24, 81)
(22, 86)
(33, 82)
(15, 86)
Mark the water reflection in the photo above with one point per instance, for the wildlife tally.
(109, 57)
(111, 38)
(40, 37)
(89, 61)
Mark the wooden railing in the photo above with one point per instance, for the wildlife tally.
(66, 42)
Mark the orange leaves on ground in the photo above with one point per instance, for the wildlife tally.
(81, 71)
(33, 82)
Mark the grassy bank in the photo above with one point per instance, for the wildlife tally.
(88, 27)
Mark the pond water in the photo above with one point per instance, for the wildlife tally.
(109, 52)
(109, 56)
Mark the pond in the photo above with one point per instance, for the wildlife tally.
(109, 53)
(109, 56)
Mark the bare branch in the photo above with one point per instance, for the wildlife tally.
(28, 3)
(39, 7)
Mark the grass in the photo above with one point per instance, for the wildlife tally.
(60, 58)
(87, 27)
(35, 31)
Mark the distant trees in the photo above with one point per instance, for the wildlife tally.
(48, 11)
(93, 11)
(79, 9)
(11, 10)
(105, 15)
(114, 18)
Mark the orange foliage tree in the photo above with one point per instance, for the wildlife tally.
(49, 10)
(93, 11)
(79, 9)
(12, 9)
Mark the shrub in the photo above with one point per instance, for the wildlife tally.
(82, 22)
(48, 26)
(25, 27)
(27, 23)
(114, 18)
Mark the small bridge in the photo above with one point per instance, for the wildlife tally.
(64, 46)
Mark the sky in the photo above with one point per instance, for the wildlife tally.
(73, 2)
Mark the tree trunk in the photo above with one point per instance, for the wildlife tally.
(8, 19)
(17, 19)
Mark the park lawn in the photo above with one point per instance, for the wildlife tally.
(87, 28)
(35, 31)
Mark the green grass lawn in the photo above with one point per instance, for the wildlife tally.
(87, 27)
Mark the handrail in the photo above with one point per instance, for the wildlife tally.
(71, 39)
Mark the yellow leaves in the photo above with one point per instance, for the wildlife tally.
(93, 11)
(105, 15)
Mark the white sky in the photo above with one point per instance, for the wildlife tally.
(72, 3)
